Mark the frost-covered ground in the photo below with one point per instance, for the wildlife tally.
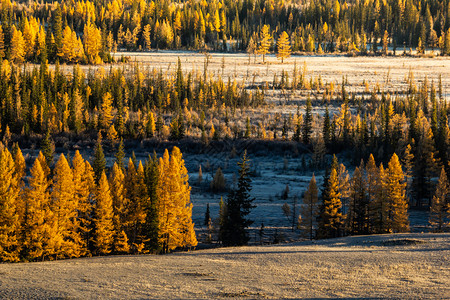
(402, 266)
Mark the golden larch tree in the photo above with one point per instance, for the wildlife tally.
(65, 208)
(92, 39)
(106, 115)
(120, 207)
(83, 183)
(283, 46)
(396, 193)
(39, 232)
(188, 238)
(9, 219)
(265, 39)
(103, 217)
(17, 45)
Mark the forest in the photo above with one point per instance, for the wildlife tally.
(87, 32)
(394, 139)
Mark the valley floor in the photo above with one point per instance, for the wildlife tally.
(401, 266)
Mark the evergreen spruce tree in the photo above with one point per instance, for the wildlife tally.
(151, 213)
(239, 205)
(48, 148)
(307, 122)
(99, 162)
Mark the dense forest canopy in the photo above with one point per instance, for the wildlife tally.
(78, 31)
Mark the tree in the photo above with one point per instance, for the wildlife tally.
(440, 203)
(92, 38)
(9, 219)
(39, 237)
(307, 122)
(64, 207)
(146, 34)
(99, 163)
(264, 42)
(218, 184)
(17, 46)
(239, 205)
(358, 215)
(106, 116)
(398, 203)
(48, 148)
(283, 46)
(103, 217)
(84, 189)
(310, 209)
(331, 219)
(151, 206)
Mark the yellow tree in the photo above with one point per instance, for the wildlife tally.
(120, 206)
(146, 34)
(397, 201)
(92, 38)
(331, 217)
(168, 236)
(264, 42)
(183, 199)
(17, 45)
(283, 46)
(106, 115)
(9, 219)
(103, 218)
(65, 208)
(83, 183)
(39, 232)
(136, 194)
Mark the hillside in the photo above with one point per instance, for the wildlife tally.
(402, 266)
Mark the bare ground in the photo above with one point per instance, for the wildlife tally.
(403, 266)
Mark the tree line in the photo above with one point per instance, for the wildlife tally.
(73, 209)
(412, 122)
(77, 31)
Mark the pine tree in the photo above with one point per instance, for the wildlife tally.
(120, 155)
(151, 206)
(103, 217)
(358, 215)
(310, 209)
(307, 122)
(439, 204)
(99, 163)
(239, 205)
(9, 219)
(283, 47)
(48, 148)
(265, 41)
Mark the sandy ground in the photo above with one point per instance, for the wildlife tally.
(355, 267)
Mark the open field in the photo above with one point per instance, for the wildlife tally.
(390, 70)
(403, 266)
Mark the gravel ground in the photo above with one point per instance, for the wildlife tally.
(402, 266)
